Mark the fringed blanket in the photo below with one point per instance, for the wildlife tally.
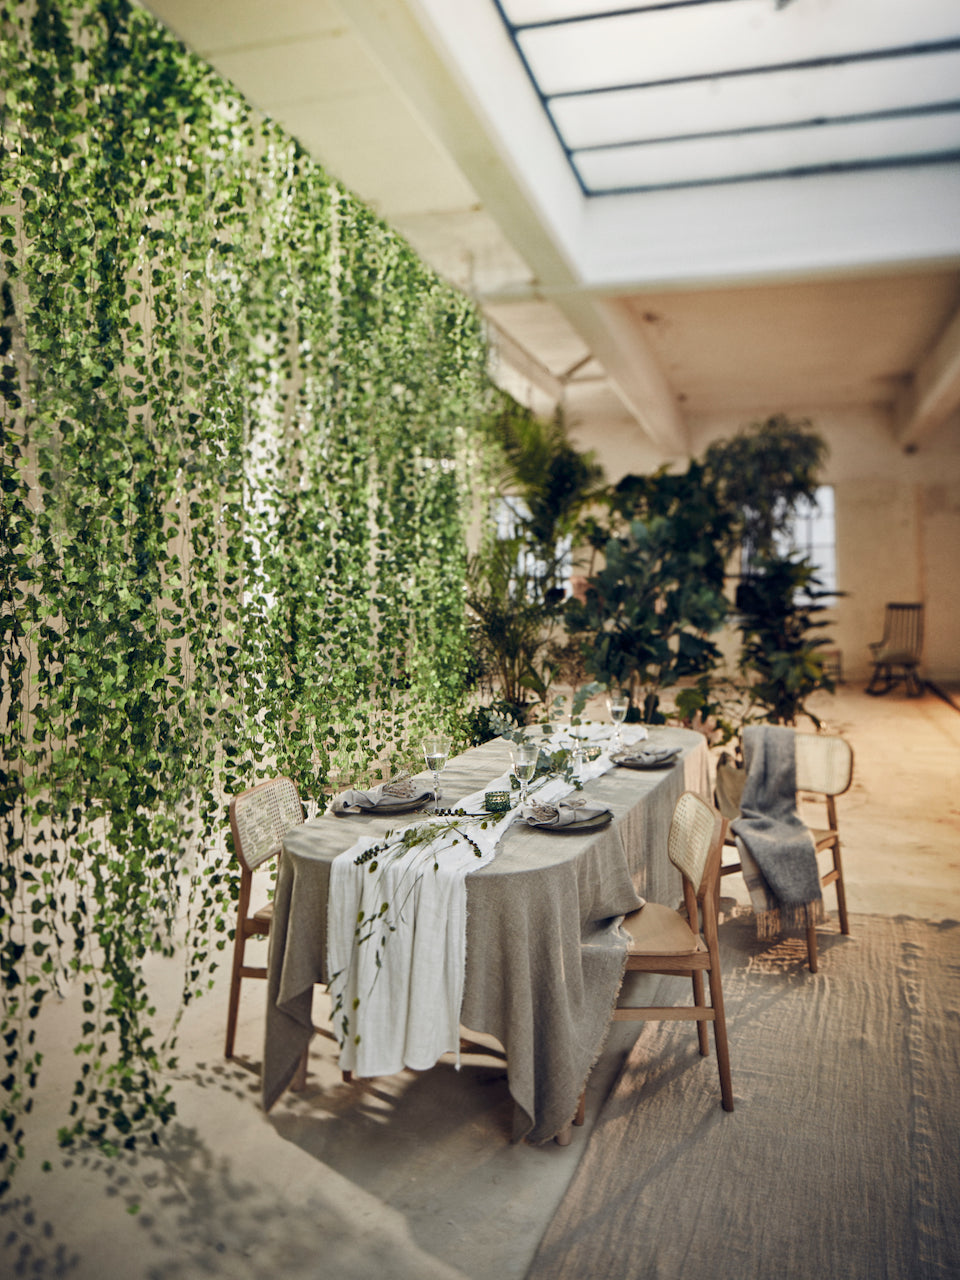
(777, 852)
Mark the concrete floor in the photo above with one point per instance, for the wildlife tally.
(413, 1176)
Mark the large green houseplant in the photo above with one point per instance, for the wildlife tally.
(650, 609)
(667, 546)
(516, 584)
(779, 617)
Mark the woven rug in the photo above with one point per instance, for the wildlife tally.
(842, 1158)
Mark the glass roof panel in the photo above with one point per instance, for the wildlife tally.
(706, 160)
(708, 90)
(523, 12)
(707, 39)
(782, 97)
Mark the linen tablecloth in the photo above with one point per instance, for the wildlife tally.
(545, 954)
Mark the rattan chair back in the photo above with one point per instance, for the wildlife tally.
(824, 763)
(260, 817)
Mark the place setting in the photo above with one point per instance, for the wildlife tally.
(403, 793)
(639, 752)
(554, 809)
(645, 755)
(567, 817)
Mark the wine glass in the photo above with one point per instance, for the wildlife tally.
(617, 705)
(525, 756)
(436, 748)
(578, 733)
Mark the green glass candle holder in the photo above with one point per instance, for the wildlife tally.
(496, 801)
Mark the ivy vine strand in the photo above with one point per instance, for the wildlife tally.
(242, 426)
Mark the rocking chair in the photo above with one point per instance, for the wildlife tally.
(897, 656)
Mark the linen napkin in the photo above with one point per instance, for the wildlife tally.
(561, 813)
(354, 800)
(651, 756)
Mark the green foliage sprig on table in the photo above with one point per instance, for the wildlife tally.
(555, 762)
(578, 699)
(238, 421)
(374, 928)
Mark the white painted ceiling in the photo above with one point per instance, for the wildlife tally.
(828, 279)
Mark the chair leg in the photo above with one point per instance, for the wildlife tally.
(233, 1007)
(697, 976)
(841, 892)
(881, 681)
(812, 948)
(564, 1137)
(720, 1040)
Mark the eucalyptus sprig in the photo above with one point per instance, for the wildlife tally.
(578, 703)
(447, 822)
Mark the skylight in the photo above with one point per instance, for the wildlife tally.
(681, 93)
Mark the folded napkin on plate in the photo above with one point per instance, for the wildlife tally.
(646, 755)
(561, 813)
(390, 793)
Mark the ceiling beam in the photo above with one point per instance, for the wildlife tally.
(620, 345)
(541, 229)
(523, 363)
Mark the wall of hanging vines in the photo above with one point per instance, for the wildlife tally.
(238, 415)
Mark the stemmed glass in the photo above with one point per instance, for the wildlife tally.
(617, 705)
(579, 735)
(525, 756)
(436, 748)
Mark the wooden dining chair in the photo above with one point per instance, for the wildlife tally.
(259, 819)
(824, 770)
(685, 943)
(682, 943)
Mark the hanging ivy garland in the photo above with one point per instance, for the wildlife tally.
(238, 416)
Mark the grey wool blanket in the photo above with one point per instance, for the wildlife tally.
(777, 852)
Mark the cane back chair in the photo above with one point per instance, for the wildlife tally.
(259, 819)
(824, 769)
(897, 656)
(674, 943)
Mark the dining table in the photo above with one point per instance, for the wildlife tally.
(545, 954)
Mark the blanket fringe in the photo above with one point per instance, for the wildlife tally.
(803, 915)
(797, 915)
(768, 924)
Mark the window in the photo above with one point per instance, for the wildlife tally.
(813, 534)
(510, 516)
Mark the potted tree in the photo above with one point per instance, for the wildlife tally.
(516, 584)
(649, 611)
